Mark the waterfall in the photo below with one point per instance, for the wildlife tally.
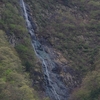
(55, 89)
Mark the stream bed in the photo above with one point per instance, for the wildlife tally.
(54, 87)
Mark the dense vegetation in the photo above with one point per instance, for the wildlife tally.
(15, 83)
(14, 25)
(73, 28)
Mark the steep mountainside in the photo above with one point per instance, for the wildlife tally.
(69, 30)
(72, 27)
(14, 83)
(72, 30)
(16, 68)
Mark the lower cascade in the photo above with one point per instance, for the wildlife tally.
(54, 87)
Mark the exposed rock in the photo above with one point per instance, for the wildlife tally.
(12, 40)
(67, 74)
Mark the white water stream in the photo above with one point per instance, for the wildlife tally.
(54, 87)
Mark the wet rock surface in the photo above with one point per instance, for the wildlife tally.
(71, 78)
(55, 68)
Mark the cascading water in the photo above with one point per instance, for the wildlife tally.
(54, 87)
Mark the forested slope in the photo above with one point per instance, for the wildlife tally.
(16, 68)
(70, 27)
(14, 82)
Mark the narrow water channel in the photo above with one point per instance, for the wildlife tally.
(55, 89)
